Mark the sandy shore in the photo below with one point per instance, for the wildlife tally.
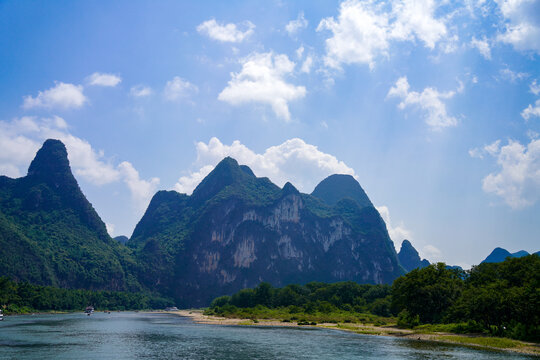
(197, 316)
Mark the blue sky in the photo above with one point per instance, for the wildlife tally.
(433, 106)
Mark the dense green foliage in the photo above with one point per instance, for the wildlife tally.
(25, 297)
(341, 301)
(51, 235)
(498, 298)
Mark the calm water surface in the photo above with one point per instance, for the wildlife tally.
(164, 336)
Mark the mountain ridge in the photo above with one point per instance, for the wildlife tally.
(237, 230)
(51, 235)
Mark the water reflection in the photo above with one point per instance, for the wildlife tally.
(164, 336)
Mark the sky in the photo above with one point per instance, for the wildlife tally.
(433, 106)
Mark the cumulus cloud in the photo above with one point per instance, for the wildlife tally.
(397, 233)
(110, 229)
(21, 138)
(226, 32)
(517, 180)
(364, 30)
(306, 65)
(512, 76)
(302, 164)
(360, 33)
(101, 79)
(430, 100)
(535, 88)
(142, 190)
(522, 24)
(262, 79)
(531, 110)
(140, 91)
(431, 252)
(416, 19)
(482, 45)
(178, 88)
(294, 26)
(62, 95)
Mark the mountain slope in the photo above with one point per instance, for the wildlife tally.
(337, 187)
(500, 254)
(237, 230)
(409, 258)
(50, 233)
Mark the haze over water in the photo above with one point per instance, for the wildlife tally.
(165, 336)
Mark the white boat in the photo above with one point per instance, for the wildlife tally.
(89, 310)
(1, 315)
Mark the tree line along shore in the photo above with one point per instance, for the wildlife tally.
(494, 301)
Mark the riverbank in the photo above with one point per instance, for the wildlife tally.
(484, 342)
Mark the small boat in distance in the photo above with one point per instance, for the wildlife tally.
(89, 310)
(1, 315)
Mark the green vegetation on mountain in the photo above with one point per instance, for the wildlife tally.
(500, 254)
(236, 230)
(51, 235)
(23, 297)
(336, 187)
(409, 258)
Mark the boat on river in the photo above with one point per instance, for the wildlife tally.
(89, 310)
(1, 315)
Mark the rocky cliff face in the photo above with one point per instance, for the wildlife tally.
(409, 258)
(237, 230)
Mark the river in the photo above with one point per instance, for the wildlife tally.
(130, 335)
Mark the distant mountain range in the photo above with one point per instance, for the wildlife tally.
(234, 231)
(409, 258)
(500, 254)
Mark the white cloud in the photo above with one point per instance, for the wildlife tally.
(483, 47)
(517, 180)
(430, 100)
(491, 149)
(415, 18)
(141, 190)
(110, 229)
(360, 34)
(302, 164)
(531, 111)
(294, 26)
(363, 30)
(306, 65)
(512, 76)
(397, 233)
(535, 88)
(21, 138)
(178, 88)
(522, 24)
(262, 80)
(431, 253)
(140, 91)
(101, 79)
(62, 95)
(227, 32)
(300, 52)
